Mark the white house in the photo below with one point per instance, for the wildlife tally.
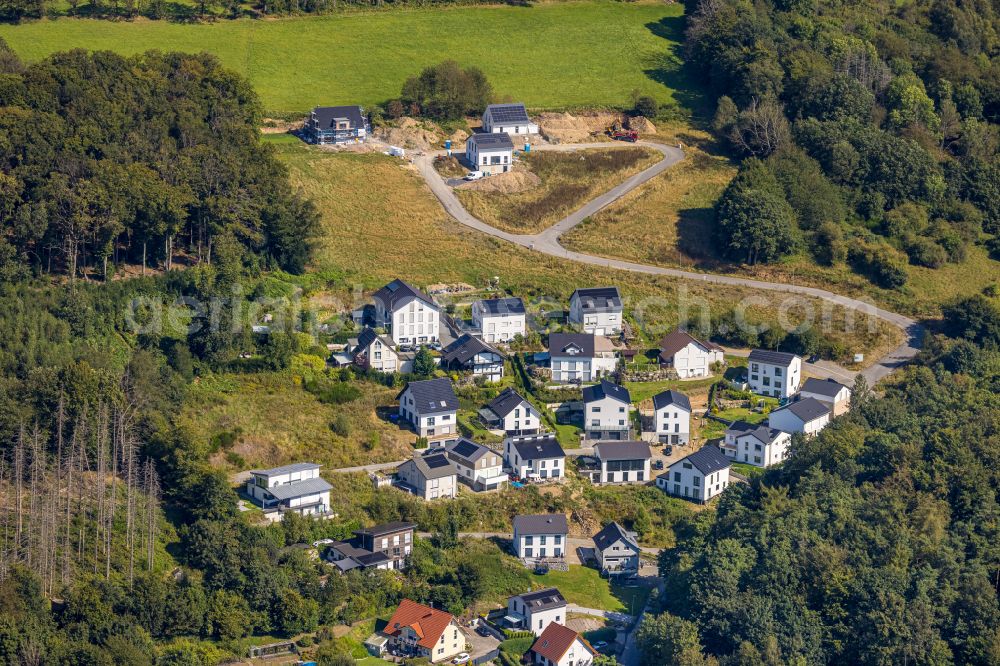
(699, 476)
(617, 551)
(375, 352)
(831, 393)
(429, 475)
(735, 429)
(561, 646)
(478, 466)
(499, 319)
(534, 611)
(541, 536)
(295, 488)
(512, 414)
(597, 310)
(807, 416)
(421, 631)
(623, 462)
(409, 314)
(606, 408)
(508, 118)
(688, 356)
(490, 153)
(672, 417)
(535, 456)
(470, 354)
(574, 357)
(430, 407)
(762, 447)
(774, 374)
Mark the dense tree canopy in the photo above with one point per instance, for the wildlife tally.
(898, 105)
(107, 160)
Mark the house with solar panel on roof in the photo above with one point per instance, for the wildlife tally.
(700, 476)
(295, 488)
(597, 310)
(429, 475)
(509, 119)
(535, 611)
(490, 153)
(411, 316)
(499, 319)
(430, 407)
(478, 466)
(336, 124)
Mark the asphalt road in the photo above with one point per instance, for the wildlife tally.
(547, 242)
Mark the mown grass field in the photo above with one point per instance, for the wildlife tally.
(670, 222)
(551, 55)
(568, 181)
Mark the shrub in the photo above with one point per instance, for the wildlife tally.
(647, 106)
(333, 392)
(341, 425)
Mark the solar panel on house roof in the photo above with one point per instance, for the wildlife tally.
(509, 113)
(436, 461)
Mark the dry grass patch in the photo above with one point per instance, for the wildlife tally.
(381, 222)
(568, 180)
(263, 420)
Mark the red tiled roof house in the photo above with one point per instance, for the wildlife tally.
(424, 631)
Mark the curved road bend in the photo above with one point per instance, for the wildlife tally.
(547, 242)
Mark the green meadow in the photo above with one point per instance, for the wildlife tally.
(551, 55)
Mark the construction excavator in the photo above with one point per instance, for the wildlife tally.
(618, 132)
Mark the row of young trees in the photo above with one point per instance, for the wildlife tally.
(876, 543)
(869, 126)
(109, 160)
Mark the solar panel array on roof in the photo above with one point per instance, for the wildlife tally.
(508, 113)
(436, 461)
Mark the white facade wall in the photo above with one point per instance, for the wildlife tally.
(839, 404)
(381, 357)
(606, 415)
(784, 419)
(685, 480)
(413, 323)
(695, 361)
(673, 425)
(432, 426)
(488, 160)
(569, 368)
(774, 380)
(610, 476)
(538, 620)
(522, 418)
(752, 451)
(539, 545)
(498, 328)
(598, 323)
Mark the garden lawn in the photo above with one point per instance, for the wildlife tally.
(554, 55)
(584, 587)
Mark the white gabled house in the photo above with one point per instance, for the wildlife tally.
(672, 417)
(561, 646)
(688, 356)
(597, 310)
(534, 611)
(296, 488)
(411, 316)
(375, 352)
(470, 354)
(541, 536)
(535, 456)
(479, 467)
(831, 393)
(499, 319)
(774, 374)
(511, 413)
(606, 410)
(574, 357)
(429, 475)
(762, 447)
(807, 416)
(508, 118)
(623, 462)
(430, 407)
(700, 476)
(490, 153)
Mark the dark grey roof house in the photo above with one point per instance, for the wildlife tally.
(671, 397)
(336, 124)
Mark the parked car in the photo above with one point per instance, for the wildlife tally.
(657, 464)
(600, 645)
(461, 658)
(668, 450)
(473, 175)
(483, 630)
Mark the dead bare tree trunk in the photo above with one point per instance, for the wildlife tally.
(151, 485)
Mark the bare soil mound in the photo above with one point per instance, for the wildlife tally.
(511, 182)
(567, 128)
(642, 125)
(410, 133)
